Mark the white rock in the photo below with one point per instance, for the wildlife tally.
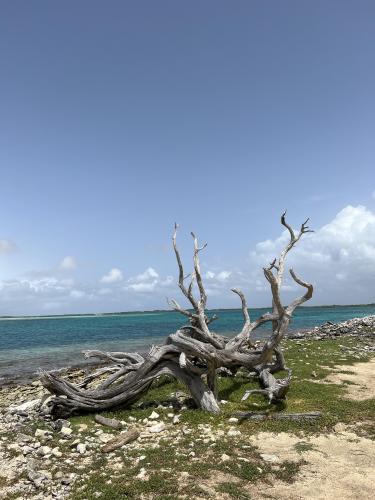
(158, 427)
(66, 431)
(233, 432)
(44, 450)
(14, 446)
(176, 419)
(142, 474)
(56, 452)
(269, 458)
(224, 457)
(42, 433)
(104, 438)
(154, 415)
(233, 420)
(81, 448)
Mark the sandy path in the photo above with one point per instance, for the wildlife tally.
(340, 465)
(362, 378)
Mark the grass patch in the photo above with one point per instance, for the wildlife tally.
(303, 446)
(288, 471)
(233, 490)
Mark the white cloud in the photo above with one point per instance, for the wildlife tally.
(113, 276)
(150, 273)
(342, 251)
(68, 263)
(221, 276)
(77, 294)
(148, 281)
(143, 287)
(7, 246)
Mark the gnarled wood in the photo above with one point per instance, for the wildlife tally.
(194, 353)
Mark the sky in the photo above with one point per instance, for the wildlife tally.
(119, 118)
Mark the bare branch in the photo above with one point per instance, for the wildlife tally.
(245, 311)
(289, 228)
(300, 300)
(275, 289)
(176, 306)
(198, 275)
(187, 292)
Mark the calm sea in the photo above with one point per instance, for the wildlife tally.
(49, 343)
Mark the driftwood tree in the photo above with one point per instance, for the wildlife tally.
(194, 353)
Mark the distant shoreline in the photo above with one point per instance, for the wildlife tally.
(157, 311)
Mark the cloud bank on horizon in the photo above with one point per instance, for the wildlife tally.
(339, 259)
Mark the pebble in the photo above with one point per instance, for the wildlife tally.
(233, 432)
(44, 450)
(154, 415)
(270, 458)
(42, 433)
(56, 452)
(66, 431)
(142, 474)
(160, 427)
(81, 448)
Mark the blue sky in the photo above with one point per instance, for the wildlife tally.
(119, 118)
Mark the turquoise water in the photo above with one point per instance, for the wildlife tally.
(29, 344)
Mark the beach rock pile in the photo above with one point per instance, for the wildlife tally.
(364, 327)
(43, 457)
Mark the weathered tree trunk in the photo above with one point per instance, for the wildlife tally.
(193, 353)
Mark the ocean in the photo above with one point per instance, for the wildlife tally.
(27, 345)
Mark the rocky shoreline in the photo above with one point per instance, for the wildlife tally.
(42, 458)
(365, 327)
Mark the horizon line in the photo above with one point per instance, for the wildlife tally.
(145, 311)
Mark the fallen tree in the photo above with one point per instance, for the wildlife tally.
(194, 353)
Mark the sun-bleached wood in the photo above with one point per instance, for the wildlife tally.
(194, 353)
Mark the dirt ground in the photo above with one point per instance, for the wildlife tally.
(361, 381)
(340, 465)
